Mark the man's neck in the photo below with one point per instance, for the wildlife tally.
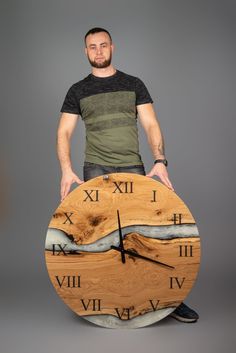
(104, 72)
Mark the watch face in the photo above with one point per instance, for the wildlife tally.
(122, 250)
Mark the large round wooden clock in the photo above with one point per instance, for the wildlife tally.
(122, 250)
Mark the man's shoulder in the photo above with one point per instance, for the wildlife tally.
(135, 81)
(128, 76)
(80, 83)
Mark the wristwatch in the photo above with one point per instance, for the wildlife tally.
(164, 161)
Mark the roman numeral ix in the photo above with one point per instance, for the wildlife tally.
(58, 251)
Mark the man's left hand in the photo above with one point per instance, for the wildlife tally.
(159, 169)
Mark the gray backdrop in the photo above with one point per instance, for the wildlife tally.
(184, 51)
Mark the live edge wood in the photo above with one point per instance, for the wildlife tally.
(140, 285)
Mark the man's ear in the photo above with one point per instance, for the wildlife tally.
(86, 51)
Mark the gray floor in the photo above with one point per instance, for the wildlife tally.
(34, 319)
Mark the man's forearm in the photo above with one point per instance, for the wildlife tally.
(63, 152)
(156, 142)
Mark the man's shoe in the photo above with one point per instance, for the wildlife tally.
(184, 314)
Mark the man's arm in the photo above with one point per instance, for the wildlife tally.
(155, 138)
(65, 129)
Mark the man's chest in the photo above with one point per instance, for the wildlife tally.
(108, 104)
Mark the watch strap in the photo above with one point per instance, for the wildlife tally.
(164, 161)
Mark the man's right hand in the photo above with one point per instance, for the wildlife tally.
(68, 178)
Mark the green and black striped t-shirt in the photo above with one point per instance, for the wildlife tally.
(107, 106)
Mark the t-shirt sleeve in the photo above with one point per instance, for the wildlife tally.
(142, 94)
(71, 104)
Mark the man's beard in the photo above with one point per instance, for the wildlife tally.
(101, 65)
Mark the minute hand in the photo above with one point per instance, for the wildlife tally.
(132, 253)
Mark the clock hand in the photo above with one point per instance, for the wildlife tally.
(121, 245)
(129, 252)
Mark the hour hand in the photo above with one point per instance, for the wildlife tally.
(132, 253)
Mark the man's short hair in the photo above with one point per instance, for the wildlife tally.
(96, 30)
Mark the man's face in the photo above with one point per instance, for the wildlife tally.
(99, 49)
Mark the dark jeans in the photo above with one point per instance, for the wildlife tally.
(92, 170)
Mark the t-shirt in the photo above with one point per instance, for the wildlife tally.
(107, 105)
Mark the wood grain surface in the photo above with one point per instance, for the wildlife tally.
(97, 283)
(93, 220)
(130, 285)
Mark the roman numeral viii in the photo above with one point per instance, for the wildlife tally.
(68, 281)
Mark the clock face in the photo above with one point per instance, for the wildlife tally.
(122, 250)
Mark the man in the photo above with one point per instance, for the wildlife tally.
(109, 100)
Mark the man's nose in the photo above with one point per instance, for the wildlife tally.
(99, 50)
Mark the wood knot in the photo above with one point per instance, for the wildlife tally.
(95, 221)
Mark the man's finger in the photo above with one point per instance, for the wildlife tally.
(171, 186)
(79, 181)
(67, 189)
(62, 191)
(167, 182)
(150, 174)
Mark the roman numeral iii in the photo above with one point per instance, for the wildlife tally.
(186, 250)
